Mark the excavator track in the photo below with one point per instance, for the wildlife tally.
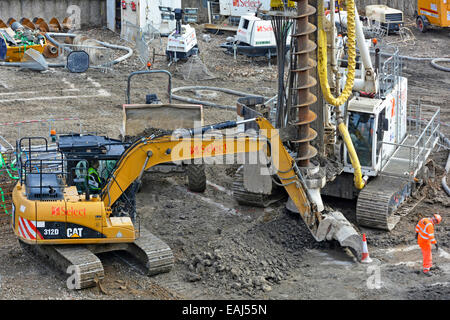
(247, 198)
(87, 268)
(379, 200)
(152, 252)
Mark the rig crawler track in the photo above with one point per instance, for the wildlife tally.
(152, 252)
(379, 200)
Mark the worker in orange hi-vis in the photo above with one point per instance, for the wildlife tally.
(425, 238)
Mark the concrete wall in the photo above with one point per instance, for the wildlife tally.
(407, 6)
(93, 12)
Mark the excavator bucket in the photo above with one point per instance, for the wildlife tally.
(140, 118)
(334, 226)
(67, 24)
(11, 21)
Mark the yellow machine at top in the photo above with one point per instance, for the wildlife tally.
(16, 40)
(280, 4)
(432, 13)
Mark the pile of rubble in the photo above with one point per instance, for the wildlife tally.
(256, 259)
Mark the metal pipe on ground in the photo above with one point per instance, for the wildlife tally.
(50, 35)
(433, 61)
(207, 103)
(447, 165)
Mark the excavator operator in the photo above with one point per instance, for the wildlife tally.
(94, 181)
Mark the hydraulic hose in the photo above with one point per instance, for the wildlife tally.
(358, 179)
(323, 76)
(322, 56)
(207, 103)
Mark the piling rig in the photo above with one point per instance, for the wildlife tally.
(371, 152)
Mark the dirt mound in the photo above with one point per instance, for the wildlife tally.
(430, 292)
(256, 259)
(147, 133)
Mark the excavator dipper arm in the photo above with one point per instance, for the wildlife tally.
(148, 152)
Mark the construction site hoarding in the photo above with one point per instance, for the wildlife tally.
(145, 14)
(87, 13)
(238, 8)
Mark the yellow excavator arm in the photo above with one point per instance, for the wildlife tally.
(146, 153)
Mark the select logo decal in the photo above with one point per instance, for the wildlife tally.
(246, 3)
(28, 230)
(264, 29)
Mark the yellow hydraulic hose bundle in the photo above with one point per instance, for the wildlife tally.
(323, 75)
(358, 179)
(322, 56)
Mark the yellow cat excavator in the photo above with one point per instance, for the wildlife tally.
(57, 217)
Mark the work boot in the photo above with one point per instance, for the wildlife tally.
(434, 268)
(428, 273)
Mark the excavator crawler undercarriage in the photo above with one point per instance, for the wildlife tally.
(85, 269)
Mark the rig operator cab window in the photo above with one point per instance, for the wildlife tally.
(361, 130)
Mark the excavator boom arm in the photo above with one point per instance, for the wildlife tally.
(147, 152)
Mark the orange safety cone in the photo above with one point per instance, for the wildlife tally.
(365, 253)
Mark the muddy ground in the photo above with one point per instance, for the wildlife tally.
(223, 250)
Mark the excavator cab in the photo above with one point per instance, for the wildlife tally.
(87, 148)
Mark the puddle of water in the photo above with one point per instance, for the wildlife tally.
(407, 263)
(406, 249)
(336, 262)
(334, 258)
(444, 254)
